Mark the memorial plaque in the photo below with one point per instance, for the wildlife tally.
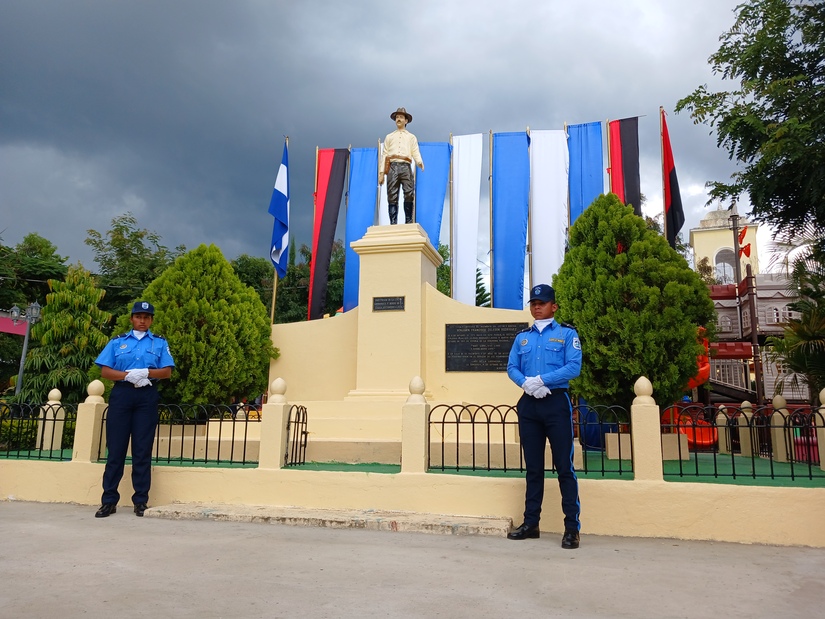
(388, 304)
(480, 347)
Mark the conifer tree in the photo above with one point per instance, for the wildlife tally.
(636, 304)
(217, 328)
(67, 339)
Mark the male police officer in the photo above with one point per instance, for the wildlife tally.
(543, 360)
(135, 361)
(400, 150)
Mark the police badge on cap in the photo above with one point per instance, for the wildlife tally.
(543, 293)
(142, 307)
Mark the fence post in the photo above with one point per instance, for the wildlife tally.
(89, 440)
(50, 423)
(820, 430)
(723, 429)
(415, 431)
(745, 428)
(646, 433)
(274, 421)
(778, 435)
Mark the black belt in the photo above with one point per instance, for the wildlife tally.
(399, 162)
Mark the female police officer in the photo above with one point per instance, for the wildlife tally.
(135, 361)
(543, 360)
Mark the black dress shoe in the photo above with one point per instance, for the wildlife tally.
(525, 532)
(570, 540)
(105, 510)
(140, 508)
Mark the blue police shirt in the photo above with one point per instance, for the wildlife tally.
(555, 354)
(126, 352)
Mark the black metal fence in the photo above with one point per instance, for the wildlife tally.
(202, 434)
(485, 437)
(296, 431)
(37, 431)
(729, 442)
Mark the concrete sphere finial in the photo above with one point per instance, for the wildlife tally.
(277, 389)
(643, 389)
(95, 391)
(55, 396)
(822, 398)
(416, 391)
(779, 402)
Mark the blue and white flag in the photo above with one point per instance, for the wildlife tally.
(279, 209)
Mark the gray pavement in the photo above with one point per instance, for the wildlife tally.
(57, 560)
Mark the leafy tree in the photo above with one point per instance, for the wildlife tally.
(24, 272)
(217, 328)
(256, 273)
(482, 294)
(802, 346)
(443, 277)
(773, 120)
(707, 272)
(635, 302)
(70, 337)
(292, 295)
(129, 259)
(335, 280)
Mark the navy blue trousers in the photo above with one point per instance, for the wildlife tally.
(539, 420)
(133, 413)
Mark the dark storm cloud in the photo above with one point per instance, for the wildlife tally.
(176, 111)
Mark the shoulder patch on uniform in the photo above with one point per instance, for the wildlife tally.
(577, 344)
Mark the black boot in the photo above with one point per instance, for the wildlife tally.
(393, 208)
(408, 212)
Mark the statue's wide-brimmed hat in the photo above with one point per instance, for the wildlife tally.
(401, 110)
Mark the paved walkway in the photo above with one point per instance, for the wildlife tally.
(57, 560)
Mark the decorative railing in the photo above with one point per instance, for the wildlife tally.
(37, 431)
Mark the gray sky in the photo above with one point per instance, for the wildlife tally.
(176, 110)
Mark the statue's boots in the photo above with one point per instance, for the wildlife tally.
(408, 212)
(393, 208)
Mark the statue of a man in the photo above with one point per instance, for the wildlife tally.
(400, 150)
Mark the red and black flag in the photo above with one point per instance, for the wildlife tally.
(674, 214)
(625, 179)
(329, 188)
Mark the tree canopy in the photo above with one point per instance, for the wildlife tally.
(129, 259)
(636, 303)
(69, 338)
(773, 120)
(217, 328)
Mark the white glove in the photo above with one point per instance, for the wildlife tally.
(531, 384)
(133, 376)
(541, 392)
(143, 382)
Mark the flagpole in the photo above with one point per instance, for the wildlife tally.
(529, 220)
(377, 218)
(314, 249)
(567, 231)
(490, 191)
(452, 219)
(662, 156)
(609, 159)
(274, 270)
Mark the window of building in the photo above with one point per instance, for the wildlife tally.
(725, 267)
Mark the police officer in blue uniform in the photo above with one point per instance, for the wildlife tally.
(543, 360)
(136, 361)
